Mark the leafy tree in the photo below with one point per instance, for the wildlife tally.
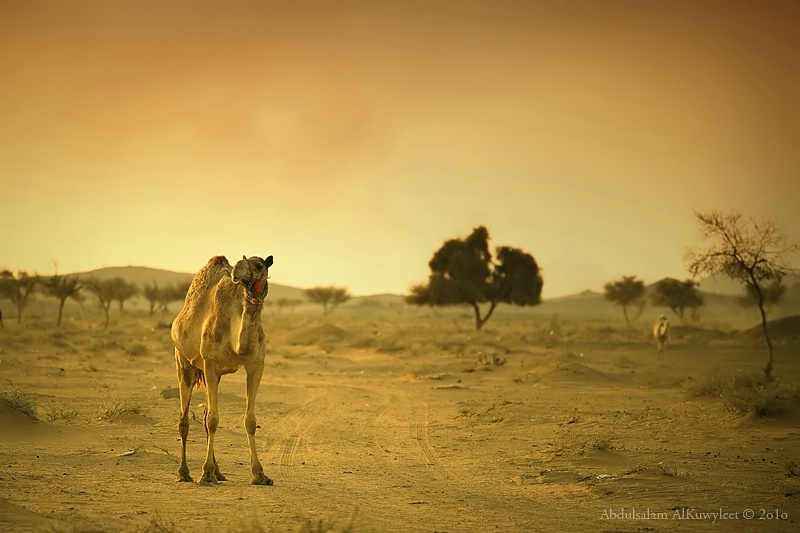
(329, 297)
(677, 295)
(463, 273)
(753, 253)
(17, 288)
(626, 292)
(62, 288)
(103, 290)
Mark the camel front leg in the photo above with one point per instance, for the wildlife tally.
(211, 473)
(217, 473)
(250, 424)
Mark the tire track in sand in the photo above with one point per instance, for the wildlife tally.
(422, 432)
(311, 413)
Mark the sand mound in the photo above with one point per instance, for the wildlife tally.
(571, 368)
(132, 419)
(13, 421)
(578, 371)
(19, 426)
(785, 329)
(695, 334)
(16, 518)
(16, 426)
(317, 334)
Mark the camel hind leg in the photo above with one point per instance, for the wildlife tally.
(211, 473)
(187, 377)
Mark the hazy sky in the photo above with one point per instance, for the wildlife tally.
(350, 139)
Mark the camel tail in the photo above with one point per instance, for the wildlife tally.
(193, 377)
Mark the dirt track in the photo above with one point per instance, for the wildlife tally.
(553, 439)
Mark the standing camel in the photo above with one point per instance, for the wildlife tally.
(661, 334)
(217, 331)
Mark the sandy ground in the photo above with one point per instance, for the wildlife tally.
(382, 424)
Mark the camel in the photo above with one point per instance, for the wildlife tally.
(661, 334)
(217, 331)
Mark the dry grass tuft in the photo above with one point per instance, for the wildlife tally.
(57, 413)
(120, 407)
(18, 401)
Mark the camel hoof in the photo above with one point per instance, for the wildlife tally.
(184, 476)
(208, 479)
(261, 479)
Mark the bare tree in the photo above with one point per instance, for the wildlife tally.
(329, 297)
(171, 293)
(17, 288)
(123, 291)
(103, 291)
(151, 293)
(626, 292)
(753, 253)
(283, 303)
(62, 288)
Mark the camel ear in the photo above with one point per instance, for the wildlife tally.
(244, 257)
(268, 261)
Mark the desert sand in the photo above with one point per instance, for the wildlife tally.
(395, 419)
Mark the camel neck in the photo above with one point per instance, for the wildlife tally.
(252, 310)
(250, 330)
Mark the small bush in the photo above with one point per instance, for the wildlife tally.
(137, 349)
(159, 525)
(603, 443)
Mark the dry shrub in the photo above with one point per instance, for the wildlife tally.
(742, 393)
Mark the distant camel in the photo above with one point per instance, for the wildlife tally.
(217, 331)
(661, 334)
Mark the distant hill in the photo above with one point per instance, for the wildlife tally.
(140, 275)
(143, 275)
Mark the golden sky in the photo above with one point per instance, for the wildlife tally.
(349, 139)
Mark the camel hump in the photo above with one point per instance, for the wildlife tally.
(217, 268)
(218, 261)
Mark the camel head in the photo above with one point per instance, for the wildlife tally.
(252, 273)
